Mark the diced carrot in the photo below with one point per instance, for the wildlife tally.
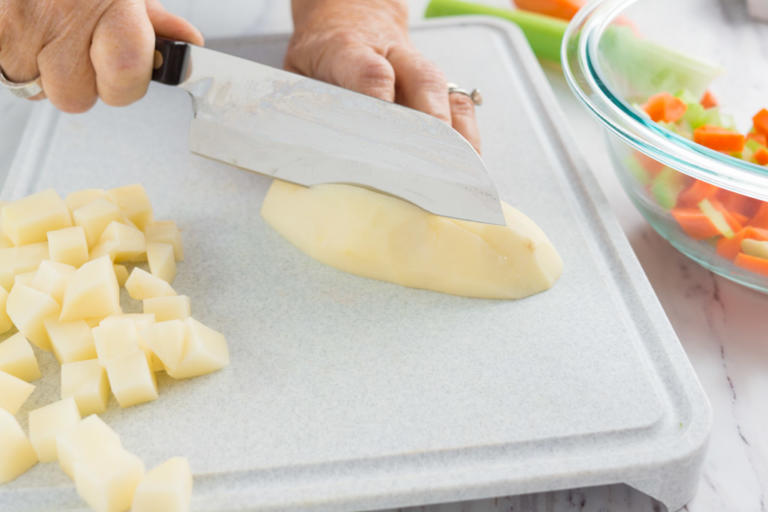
(665, 107)
(760, 138)
(739, 205)
(760, 219)
(708, 100)
(761, 156)
(730, 218)
(752, 263)
(760, 122)
(653, 167)
(695, 223)
(697, 192)
(740, 218)
(729, 247)
(718, 138)
(563, 9)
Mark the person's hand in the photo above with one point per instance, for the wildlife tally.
(363, 45)
(86, 49)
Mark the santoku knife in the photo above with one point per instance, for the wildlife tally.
(309, 132)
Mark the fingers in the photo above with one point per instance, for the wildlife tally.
(464, 120)
(122, 52)
(171, 26)
(66, 73)
(420, 84)
(346, 63)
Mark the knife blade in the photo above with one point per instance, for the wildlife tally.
(308, 132)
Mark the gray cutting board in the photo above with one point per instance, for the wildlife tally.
(346, 393)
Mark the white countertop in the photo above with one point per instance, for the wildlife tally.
(719, 323)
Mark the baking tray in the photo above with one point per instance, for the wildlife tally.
(346, 393)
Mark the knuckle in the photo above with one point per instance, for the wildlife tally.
(462, 105)
(376, 73)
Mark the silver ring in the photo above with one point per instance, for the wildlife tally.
(22, 90)
(474, 95)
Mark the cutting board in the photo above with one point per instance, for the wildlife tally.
(346, 393)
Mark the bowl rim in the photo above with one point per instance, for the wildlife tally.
(579, 52)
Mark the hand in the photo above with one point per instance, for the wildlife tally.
(363, 45)
(86, 49)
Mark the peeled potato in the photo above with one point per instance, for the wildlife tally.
(379, 236)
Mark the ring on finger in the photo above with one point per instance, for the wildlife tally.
(474, 95)
(21, 89)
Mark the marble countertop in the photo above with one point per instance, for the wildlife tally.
(719, 323)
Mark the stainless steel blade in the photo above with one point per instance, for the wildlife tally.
(308, 132)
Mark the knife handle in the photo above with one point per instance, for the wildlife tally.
(170, 65)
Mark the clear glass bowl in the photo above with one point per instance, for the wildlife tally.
(617, 53)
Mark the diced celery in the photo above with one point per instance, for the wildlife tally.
(687, 96)
(636, 169)
(666, 187)
(695, 115)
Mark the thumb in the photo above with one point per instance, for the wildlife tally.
(172, 26)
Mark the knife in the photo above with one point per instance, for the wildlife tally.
(308, 132)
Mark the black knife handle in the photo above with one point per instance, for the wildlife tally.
(171, 61)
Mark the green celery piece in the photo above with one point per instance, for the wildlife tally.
(544, 33)
(634, 67)
(687, 97)
(695, 115)
(636, 169)
(666, 187)
(752, 145)
(638, 68)
(717, 218)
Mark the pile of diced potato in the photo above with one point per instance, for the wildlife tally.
(62, 264)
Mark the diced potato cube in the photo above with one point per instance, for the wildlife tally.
(13, 392)
(131, 379)
(93, 292)
(205, 351)
(81, 198)
(68, 245)
(24, 279)
(115, 339)
(107, 483)
(29, 309)
(140, 321)
(121, 272)
(27, 220)
(167, 488)
(166, 231)
(134, 203)
(18, 359)
(161, 262)
(89, 440)
(168, 308)
(95, 216)
(121, 243)
(143, 285)
(167, 341)
(52, 278)
(49, 421)
(18, 454)
(5, 321)
(86, 382)
(19, 260)
(71, 341)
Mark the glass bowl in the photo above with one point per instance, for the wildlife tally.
(706, 201)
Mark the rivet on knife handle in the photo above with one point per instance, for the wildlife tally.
(170, 63)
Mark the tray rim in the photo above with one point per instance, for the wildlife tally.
(685, 449)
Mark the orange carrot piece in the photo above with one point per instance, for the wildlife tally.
(752, 263)
(760, 219)
(563, 9)
(739, 205)
(760, 138)
(665, 107)
(740, 218)
(695, 223)
(729, 248)
(761, 156)
(719, 139)
(730, 218)
(708, 99)
(653, 167)
(760, 122)
(696, 193)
